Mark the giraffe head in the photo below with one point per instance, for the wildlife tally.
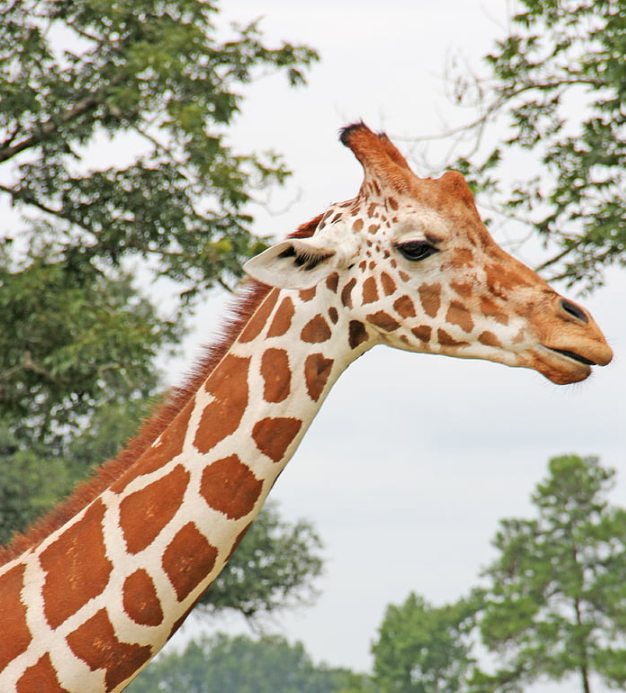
(416, 268)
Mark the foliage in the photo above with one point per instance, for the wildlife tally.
(558, 84)
(28, 485)
(556, 602)
(155, 72)
(68, 345)
(239, 665)
(422, 648)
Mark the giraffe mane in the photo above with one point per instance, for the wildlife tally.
(86, 491)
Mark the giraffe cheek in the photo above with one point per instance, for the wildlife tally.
(445, 339)
(384, 321)
(423, 334)
(489, 339)
(430, 298)
(370, 291)
(458, 314)
(405, 307)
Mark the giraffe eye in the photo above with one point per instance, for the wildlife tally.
(416, 250)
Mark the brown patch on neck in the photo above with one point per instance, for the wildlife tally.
(188, 559)
(221, 417)
(273, 436)
(317, 369)
(282, 319)
(276, 375)
(76, 566)
(96, 643)
(13, 615)
(307, 295)
(230, 487)
(357, 334)
(140, 599)
(41, 676)
(332, 281)
(316, 331)
(159, 501)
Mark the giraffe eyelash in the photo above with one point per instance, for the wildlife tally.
(414, 251)
(307, 261)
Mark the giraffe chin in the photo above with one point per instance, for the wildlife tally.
(563, 377)
(563, 367)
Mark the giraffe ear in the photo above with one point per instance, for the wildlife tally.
(297, 263)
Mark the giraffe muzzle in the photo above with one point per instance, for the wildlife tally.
(573, 343)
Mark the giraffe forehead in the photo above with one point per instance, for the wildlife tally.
(362, 219)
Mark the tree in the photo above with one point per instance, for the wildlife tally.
(68, 345)
(153, 69)
(239, 665)
(422, 648)
(558, 83)
(556, 601)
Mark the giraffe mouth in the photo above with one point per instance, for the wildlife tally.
(574, 356)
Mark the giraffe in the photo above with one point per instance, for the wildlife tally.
(89, 595)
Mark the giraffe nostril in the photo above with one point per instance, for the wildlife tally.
(574, 310)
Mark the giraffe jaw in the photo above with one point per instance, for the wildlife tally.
(563, 366)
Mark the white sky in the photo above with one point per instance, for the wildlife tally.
(413, 459)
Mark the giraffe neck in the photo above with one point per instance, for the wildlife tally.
(106, 591)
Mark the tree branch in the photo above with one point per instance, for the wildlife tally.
(50, 128)
(58, 213)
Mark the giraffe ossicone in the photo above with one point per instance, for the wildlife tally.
(91, 594)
